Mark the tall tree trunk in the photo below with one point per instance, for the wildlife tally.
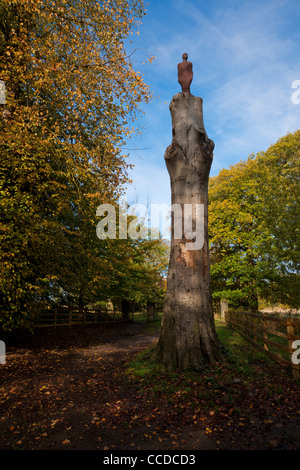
(125, 308)
(188, 337)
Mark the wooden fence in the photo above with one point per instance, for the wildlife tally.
(272, 335)
(68, 316)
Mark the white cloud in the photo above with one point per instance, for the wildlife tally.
(243, 69)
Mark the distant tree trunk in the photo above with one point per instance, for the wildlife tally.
(80, 304)
(125, 307)
(224, 308)
(254, 301)
(150, 311)
(188, 337)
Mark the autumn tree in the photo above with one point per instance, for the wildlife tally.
(254, 236)
(136, 277)
(136, 259)
(278, 189)
(233, 238)
(72, 96)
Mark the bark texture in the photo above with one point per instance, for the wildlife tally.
(188, 337)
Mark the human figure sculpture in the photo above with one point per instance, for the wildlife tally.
(185, 73)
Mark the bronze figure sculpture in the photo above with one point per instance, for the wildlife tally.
(185, 73)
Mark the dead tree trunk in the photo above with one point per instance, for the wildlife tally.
(188, 337)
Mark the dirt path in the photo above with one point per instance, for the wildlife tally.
(68, 390)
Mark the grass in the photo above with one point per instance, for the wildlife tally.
(237, 346)
(149, 327)
(275, 338)
(239, 360)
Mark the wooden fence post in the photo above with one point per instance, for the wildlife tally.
(70, 315)
(256, 329)
(265, 335)
(246, 323)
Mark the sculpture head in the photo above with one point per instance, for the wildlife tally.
(185, 56)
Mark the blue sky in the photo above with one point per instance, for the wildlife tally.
(245, 54)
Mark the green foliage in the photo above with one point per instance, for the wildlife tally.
(134, 270)
(254, 234)
(71, 98)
